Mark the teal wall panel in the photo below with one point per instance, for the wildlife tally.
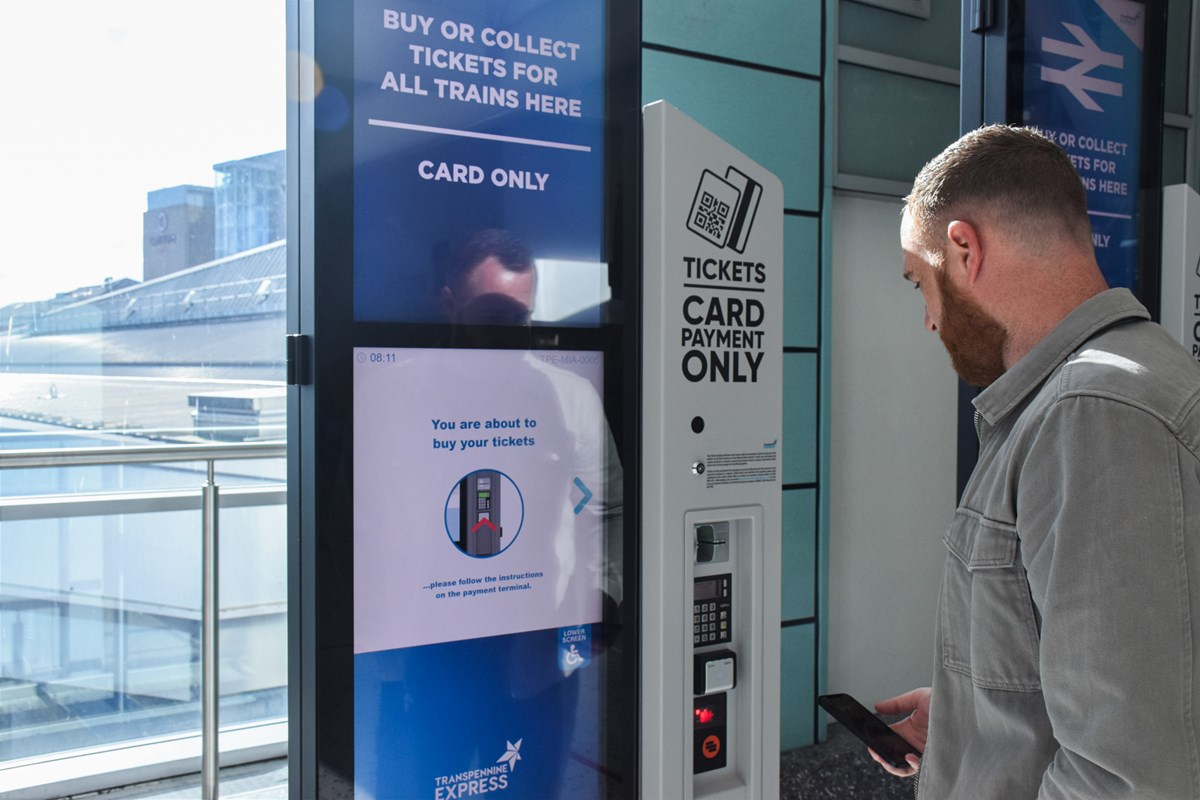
(801, 287)
(1175, 80)
(799, 566)
(799, 657)
(791, 40)
(773, 119)
(889, 125)
(934, 40)
(755, 74)
(799, 418)
(1174, 156)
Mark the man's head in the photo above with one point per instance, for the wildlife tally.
(1013, 180)
(996, 236)
(490, 280)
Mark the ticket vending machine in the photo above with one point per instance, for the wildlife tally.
(487, 598)
(711, 419)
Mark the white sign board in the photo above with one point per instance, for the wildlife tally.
(712, 457)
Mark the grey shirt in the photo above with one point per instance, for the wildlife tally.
(1067, 631)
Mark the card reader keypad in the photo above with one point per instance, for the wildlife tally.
(712, 615)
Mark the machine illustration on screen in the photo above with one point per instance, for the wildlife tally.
(486, 499)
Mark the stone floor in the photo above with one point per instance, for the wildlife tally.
(838, 769)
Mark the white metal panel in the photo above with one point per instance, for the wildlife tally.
(1181, 266)
(713, 352)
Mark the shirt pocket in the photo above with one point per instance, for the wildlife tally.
(989, 631)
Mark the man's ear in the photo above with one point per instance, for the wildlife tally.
(964, 250)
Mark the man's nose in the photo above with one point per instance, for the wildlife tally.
(929, 326)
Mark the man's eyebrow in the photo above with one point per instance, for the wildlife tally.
(908, 275)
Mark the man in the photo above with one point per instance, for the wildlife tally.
(1068, 650)
(490, 280)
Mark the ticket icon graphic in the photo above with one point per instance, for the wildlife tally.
(723, 209)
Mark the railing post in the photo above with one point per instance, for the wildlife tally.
(210, 627)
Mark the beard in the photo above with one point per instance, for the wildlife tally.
(974, 339)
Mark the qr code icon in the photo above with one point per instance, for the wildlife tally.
(712, 216)
(712, 208)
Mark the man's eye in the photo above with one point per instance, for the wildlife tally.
(916, 286)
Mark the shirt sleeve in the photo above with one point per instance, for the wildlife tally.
(1100, 518)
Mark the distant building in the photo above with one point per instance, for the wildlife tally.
(251, 205)
(177, 230)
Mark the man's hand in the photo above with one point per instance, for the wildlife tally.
(913, 729)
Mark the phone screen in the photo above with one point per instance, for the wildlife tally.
(873, 731)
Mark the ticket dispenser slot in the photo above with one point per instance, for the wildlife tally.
(712, 543)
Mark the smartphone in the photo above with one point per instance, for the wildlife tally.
(873, 731)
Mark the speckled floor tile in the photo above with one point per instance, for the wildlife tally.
(838, 769)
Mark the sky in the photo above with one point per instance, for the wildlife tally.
(104, 102)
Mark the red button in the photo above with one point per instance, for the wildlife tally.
(711, 746)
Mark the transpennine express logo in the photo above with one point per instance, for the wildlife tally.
(476, 782)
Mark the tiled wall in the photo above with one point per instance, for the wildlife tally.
(897, 104)
(757, 76)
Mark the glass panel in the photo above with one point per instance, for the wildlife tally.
(100, 620)
(889, 125)
(143, 302)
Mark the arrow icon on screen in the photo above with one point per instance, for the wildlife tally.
(1090, 56)
(587, 495)
(481, 523)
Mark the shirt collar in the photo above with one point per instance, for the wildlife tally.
(1091, 317)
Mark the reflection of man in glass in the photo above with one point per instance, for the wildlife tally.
(490, 280)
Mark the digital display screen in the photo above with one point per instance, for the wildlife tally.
(473, 629)
(706, 589)
(479, 162)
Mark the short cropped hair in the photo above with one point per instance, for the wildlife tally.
(481, 245)
(1014, 178)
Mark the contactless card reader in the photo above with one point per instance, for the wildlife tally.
(716, 671)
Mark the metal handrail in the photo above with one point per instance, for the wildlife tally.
(210, 512)
(148, 454)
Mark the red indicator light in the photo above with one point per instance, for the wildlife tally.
(704, 715)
